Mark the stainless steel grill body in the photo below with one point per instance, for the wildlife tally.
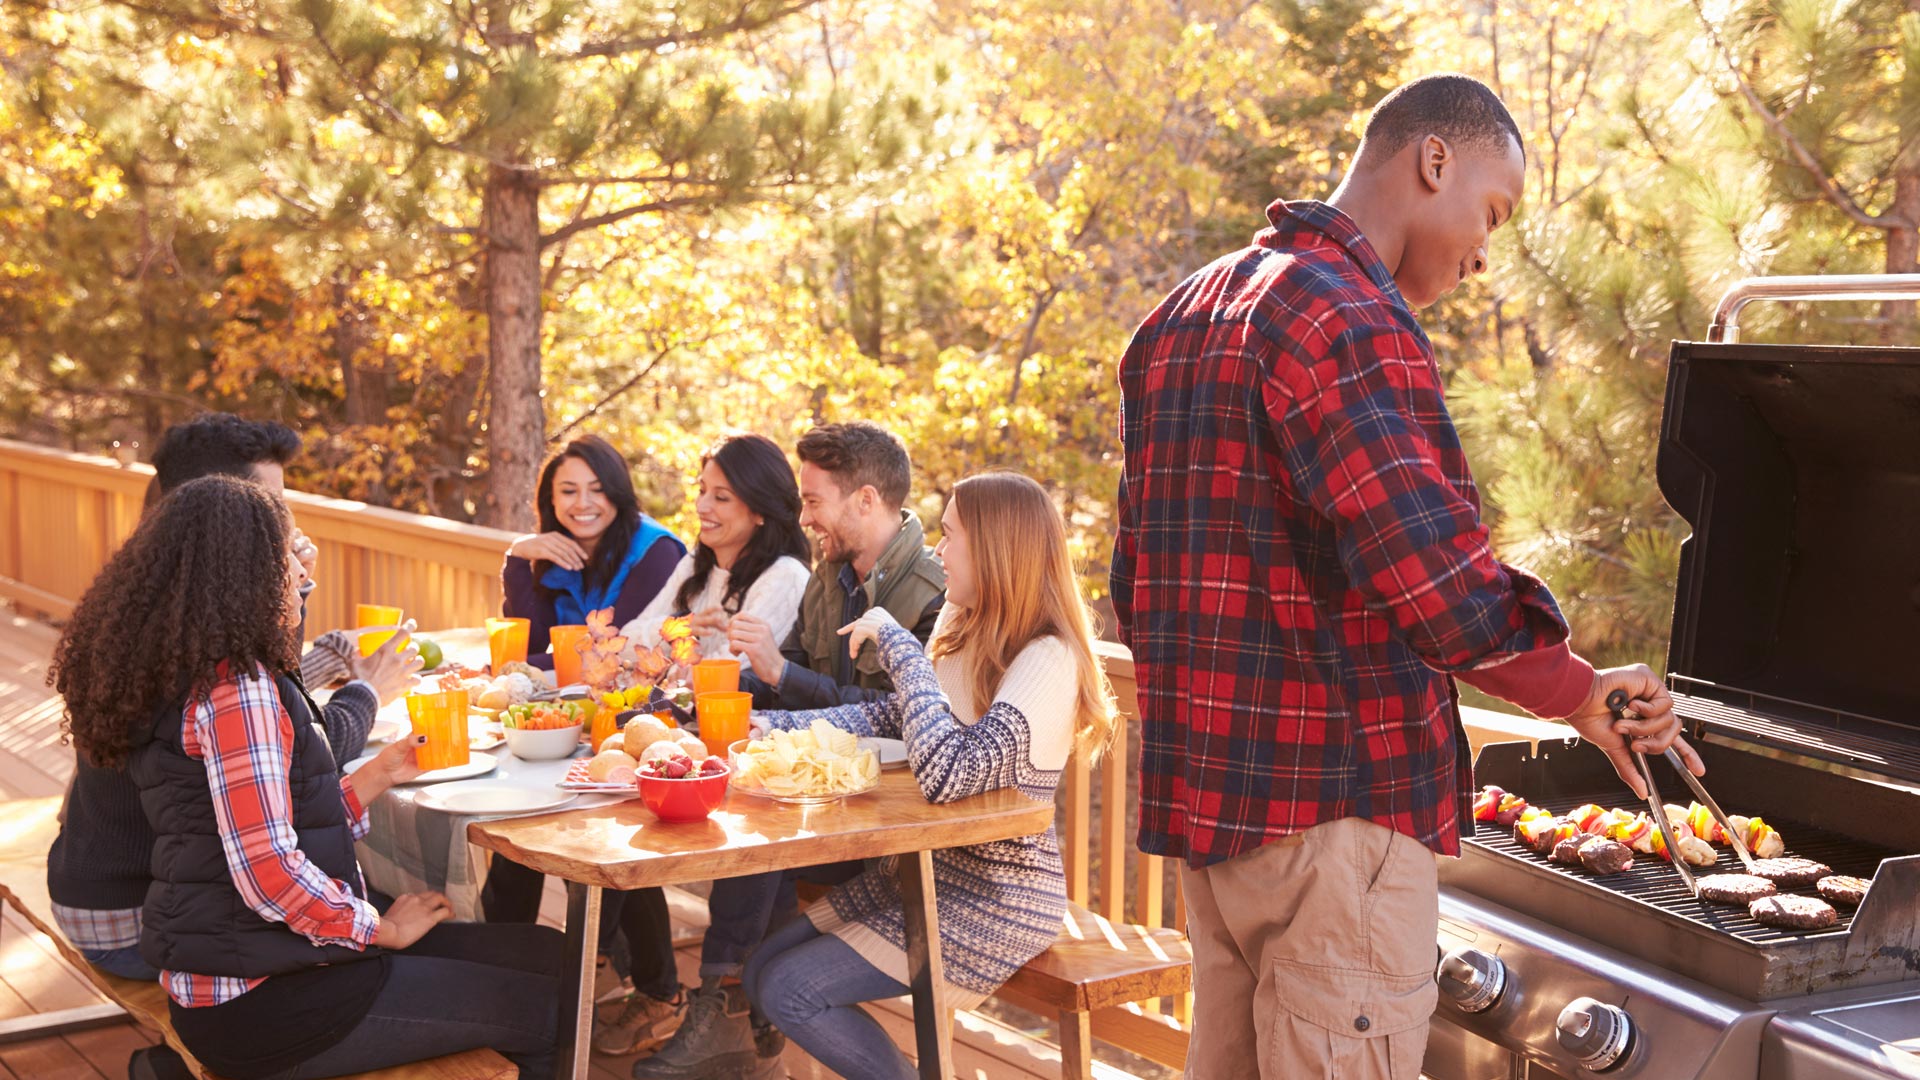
(1795, 663)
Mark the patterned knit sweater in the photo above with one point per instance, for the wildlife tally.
(999, 904)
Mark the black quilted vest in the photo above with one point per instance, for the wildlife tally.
(195, 919)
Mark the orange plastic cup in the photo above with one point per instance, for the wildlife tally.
(715, 677)
(724, 719)
(566, 653)
(442, 718)
(374, 615)
(507, 641)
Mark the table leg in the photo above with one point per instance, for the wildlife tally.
(575, 1045)
(932, 1027)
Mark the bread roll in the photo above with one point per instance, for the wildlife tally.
(611, 767)
(691, 743)
(665, 748)
(642, 732)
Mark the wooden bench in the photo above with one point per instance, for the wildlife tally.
(27, 828)
(1090, 979)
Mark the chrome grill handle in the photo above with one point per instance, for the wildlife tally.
(1726, 316)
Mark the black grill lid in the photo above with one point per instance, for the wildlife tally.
(1797, 614)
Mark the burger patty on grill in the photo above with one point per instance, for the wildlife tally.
(1793, 912)
(1738, 889)
(1791, 873)
(1842, 889)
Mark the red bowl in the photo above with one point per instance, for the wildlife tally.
(690, 798)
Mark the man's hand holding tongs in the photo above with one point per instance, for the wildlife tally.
(1651, 727)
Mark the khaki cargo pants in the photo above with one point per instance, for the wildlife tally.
(1314, 957)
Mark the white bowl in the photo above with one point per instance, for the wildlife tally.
(550, 744)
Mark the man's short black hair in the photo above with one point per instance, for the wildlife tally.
(1458, 108)
(860, 453)
(220, 444)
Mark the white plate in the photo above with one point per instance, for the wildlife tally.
(384, 731)
(477, 765)
(892, 752)
(472, 798)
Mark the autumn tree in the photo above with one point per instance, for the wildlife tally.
(1829, 97)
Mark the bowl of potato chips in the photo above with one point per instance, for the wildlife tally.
(810, 767)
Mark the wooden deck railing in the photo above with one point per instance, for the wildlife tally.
(61, 515)
(65, 513)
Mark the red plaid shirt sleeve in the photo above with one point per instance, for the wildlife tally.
(245, 738)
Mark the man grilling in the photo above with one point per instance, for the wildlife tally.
(1301, 573)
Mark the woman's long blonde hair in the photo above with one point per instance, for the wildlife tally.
(1027, 590)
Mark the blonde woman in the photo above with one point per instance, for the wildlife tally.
(1005, 693)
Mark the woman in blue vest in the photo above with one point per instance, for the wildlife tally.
(594, 550)
(178, 666)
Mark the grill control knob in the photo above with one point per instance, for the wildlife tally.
(1596, 1033)
(1472, 979)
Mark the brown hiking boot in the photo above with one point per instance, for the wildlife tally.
(642, 1023)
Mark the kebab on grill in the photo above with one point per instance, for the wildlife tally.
(1594, 854)
(1762, 841)
(1540, 833)
(1495, 805)
(1641, 834)
(1694, 828)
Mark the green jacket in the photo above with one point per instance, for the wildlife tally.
(907, 580)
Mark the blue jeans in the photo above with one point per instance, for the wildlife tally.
(742, 909)
(462, 986)
(125, 962)
(807, 984)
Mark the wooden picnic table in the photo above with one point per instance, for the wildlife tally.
(623, 846)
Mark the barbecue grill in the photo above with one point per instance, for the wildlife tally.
(1795, 666)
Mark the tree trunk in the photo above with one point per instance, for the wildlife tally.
(1903, 248)
(516, 416)
(454, 491)
(365, 384)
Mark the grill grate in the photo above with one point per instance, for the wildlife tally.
(1654, 882)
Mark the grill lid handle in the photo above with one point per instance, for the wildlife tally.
(1726, 317)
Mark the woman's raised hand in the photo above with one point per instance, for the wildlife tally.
(555, 547)
(867, 628)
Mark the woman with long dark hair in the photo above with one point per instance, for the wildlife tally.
(178, 667)
(595, 548)
(751, 556)
(750, 559)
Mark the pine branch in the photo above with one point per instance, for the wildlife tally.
(617, 391)
(746, 20)
(1836, 195)
(599, 220)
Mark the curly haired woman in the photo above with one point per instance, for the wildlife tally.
(176, 666)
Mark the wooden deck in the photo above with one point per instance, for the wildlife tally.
(33, 979)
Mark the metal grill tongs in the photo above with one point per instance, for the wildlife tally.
(1617, 703)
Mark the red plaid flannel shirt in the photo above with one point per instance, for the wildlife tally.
(1300, 563)
(239, 729)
